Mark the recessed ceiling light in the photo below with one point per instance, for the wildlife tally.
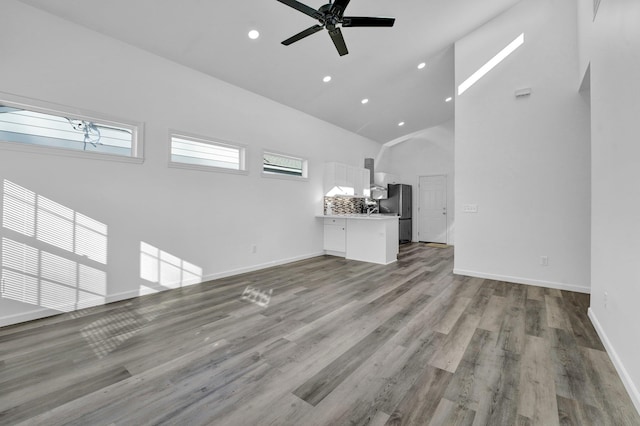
(449, 99)
(365, 101)
(327, 79)
(253, 34)
(401, 123)
(422, 65)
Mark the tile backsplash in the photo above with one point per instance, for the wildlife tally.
(345, 205)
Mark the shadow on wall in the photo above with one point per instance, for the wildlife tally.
(165, 271)
(52, 256)
(55, 258)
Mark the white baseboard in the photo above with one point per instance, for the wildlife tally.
(258, 267)
(631, 387)
(116, 297)
(39, 312)
(528, 281)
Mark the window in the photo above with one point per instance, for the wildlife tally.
(199, 153)
(283, 165)
(34, 126)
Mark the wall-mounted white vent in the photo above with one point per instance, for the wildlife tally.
(523, 92)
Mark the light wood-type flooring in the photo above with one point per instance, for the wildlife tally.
(339, 343)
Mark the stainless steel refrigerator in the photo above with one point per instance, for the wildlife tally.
(399, 201)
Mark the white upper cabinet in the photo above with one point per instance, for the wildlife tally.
(366, 183)
(361, 182)
(342, 179)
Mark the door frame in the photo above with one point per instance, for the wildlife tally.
(446, 202)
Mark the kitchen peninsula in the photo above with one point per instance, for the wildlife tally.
(368, 238)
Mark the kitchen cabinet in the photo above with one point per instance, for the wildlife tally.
(340, 174)
(352, 179)
(335, 175)
(335, 235)
(374, 241)
(362, 183)
(365, 238)
(342, 179)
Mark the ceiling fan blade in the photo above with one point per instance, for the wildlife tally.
(302, 34)
(302, 8)
(339, 6)
(362, 21)
(338, 41)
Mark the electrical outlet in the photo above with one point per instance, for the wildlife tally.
(470, 208)
(544, 260)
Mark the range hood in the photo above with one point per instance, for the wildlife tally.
(378, 192)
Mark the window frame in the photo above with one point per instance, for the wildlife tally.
(275, 175)
(136, 128)
(242, 148)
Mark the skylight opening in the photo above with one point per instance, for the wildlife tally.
(501, 56)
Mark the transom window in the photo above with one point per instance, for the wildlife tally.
(279, 164)
(203, 153)
(33, 126)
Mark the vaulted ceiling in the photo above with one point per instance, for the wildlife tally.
(382, 65)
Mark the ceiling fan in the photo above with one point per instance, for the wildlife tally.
(329, 16)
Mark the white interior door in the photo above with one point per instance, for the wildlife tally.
(432, 213)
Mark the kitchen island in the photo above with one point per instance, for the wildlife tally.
(368, 238)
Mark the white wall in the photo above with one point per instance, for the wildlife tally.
(524, 162)
(585, 18)
(208, 219)
(429, 153)
(612, 45)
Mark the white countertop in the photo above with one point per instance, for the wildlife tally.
(361, 216)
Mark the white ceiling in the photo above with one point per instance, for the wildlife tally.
(211, 36)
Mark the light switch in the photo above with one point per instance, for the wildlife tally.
(470, 208)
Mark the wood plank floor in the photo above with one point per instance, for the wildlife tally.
(339, 343)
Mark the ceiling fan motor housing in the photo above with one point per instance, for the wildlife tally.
(329, 16)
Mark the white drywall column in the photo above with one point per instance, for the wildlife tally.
(612, 45)
(524, 161)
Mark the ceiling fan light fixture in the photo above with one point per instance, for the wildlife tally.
(327, 79)
(254, 34)
(331, 17)
(400, 124)
(421, 65)
(449, 99)
(364, 101)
